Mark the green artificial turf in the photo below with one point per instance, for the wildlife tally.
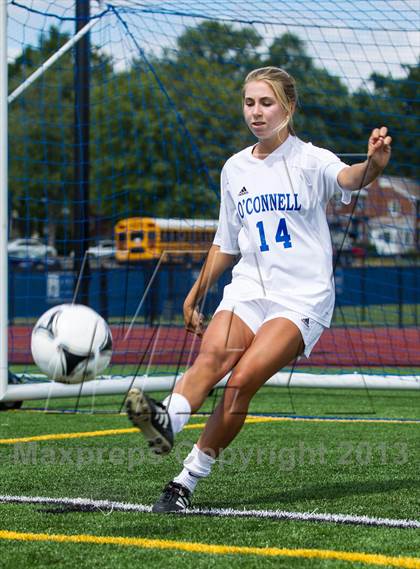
(347, 467)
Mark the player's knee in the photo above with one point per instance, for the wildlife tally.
(214, 363)
(240, 386)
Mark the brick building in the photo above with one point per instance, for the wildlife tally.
(386, 215)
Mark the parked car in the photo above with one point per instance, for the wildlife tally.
(103, 249)
(30, 249)
(47, 263)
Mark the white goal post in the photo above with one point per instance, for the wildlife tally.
(3, 202)
(5, 99)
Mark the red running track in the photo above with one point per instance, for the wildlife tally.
(172, 345)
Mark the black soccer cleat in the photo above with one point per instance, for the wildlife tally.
(175, 498)
(152, 419)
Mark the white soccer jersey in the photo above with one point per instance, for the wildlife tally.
(273, 212)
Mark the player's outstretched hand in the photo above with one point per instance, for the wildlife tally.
(379, 147)
(194, 321)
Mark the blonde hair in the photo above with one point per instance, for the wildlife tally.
(283, 86)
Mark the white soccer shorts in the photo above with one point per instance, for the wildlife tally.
(256, 312)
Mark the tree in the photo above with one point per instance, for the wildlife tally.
(394, 103)
(203, 80)
(326, 112)
(162, 129)
(219, 44)
(175, 120)
(39, 165)
(41, 135)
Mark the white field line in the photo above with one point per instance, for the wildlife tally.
(108, 506)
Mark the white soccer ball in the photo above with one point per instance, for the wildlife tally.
(71, 343)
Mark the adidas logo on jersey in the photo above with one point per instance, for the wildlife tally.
(243, 192)
(306, 322)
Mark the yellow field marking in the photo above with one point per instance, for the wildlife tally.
(248, 420)
(255, 419)
(192, 547)
(59, 436)
(252, 419)
(81, 435)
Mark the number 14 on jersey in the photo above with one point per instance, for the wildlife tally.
(282, 235)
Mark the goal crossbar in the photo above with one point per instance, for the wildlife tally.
(108, 386)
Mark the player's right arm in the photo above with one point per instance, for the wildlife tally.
(215, 264)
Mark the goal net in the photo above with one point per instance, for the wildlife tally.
(163, 114)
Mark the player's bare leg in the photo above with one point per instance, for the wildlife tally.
(225, 341)
(277, 343)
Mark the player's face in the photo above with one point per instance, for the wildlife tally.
(264, 115)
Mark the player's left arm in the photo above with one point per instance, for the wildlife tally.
(379, 153)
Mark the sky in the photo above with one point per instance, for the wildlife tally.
(350, 38)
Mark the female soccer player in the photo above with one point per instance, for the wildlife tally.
(273, 213)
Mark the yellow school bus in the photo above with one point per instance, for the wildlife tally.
(173, 240)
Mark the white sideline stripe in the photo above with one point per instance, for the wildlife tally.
(108, 505)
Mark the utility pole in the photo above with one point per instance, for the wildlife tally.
(81, 151)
